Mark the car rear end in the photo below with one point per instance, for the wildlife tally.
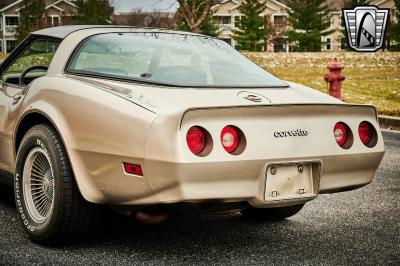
(273, 155)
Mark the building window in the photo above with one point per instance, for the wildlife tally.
(1, 45)
(237, 21)
(329, 43)
(343, 43)
(11, 44)
(226, 20)
(11, 21)
(279, 20)
(55, 21)
(11, 25)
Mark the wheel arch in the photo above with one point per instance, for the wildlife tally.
(35, 117)
(28, 121)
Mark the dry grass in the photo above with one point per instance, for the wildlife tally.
(372, 78)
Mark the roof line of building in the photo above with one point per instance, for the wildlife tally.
(65, 1)
(238, 4)
(10, 5)
(47, 7)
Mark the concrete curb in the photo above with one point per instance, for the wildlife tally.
(389, 122)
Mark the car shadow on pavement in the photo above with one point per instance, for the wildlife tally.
(195, 235)
(177, 232)
(7, 196)
(183, 232)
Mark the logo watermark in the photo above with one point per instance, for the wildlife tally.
(365, 27)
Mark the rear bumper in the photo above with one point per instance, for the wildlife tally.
(224, 181)
(245, 180)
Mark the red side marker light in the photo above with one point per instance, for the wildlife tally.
(133, 169)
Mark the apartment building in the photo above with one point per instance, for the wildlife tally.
(227, 14)
(57, 12)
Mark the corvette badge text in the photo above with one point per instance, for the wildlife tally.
(291, 133)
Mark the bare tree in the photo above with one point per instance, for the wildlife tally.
(140, 18)
(190, 8)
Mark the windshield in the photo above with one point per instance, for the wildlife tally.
(169, 59)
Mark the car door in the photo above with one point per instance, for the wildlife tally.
(30, 59)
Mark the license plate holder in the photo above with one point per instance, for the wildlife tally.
(290, 182)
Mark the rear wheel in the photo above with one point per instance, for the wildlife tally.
(271, 214)
(48, 201)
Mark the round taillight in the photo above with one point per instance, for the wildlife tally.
(196, 139)
(367, 134)
(340, 132)
(229, 138)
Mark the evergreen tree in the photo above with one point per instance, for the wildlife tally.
(94, 12)
(252, 30)
(309, 20)
(208, 27)
(31, 18)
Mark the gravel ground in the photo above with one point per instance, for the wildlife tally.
(357, 227)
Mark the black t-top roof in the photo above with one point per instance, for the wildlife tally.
(63, 31)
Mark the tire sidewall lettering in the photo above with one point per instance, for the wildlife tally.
(21, 210)
(27, 222)
(41, 145)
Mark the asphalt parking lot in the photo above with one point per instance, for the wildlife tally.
(357, 227)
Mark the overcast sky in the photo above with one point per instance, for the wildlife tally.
(147, 5)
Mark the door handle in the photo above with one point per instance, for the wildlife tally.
(17, 97)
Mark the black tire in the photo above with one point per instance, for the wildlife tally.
(271, 214)
(70, 217)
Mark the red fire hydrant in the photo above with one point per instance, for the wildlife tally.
(335, 78)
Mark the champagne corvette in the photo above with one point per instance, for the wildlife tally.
(149, 119)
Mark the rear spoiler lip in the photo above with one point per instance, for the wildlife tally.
(280, 105)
